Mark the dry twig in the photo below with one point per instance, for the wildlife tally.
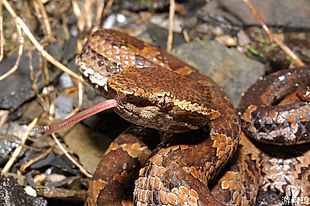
(170, 27)
(76, 10)
(38, 46)
(99, 12)
(19, 54)
(45, 22)
(4, 114)
(186, 36)
(82, 169)
(106, 9)
(86, 16)
(1, 38)
(261, 21)
(27, 164)
(18, 150)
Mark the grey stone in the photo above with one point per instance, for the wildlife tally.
(16, 89)
(233, 71)
(88, 145)
(285, 13)
(12, 193)
(64, 105)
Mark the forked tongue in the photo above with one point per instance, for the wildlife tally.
(108, 104)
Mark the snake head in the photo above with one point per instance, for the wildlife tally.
(107, 52)
(148, 94)
(161, 99)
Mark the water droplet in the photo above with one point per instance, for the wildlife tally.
(281, 78)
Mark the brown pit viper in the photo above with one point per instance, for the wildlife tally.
(155, 89)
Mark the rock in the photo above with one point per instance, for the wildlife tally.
(16, 88)
(135, 5)
(89, 142)
(10, 139)
(64, 105)
(284, 13)
(233, 71)
(30, 111)
(159, 35)
(88, 145)
(7, 144)
(243, 38)
(12, 193)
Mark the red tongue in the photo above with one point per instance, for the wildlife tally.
(108, 104)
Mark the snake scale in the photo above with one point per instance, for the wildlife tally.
(157, 90)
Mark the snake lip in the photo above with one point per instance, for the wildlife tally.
(95, 78)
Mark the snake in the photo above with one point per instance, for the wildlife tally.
(279, 118)
(156, 90)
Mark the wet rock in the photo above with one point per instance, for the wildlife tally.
(64, 105)
(159, 35)
(7, 144)
(138, 5)
(12, 193)
(16, 88)
(285, 13)
(52, 160)
(9, 139)
(233, 71)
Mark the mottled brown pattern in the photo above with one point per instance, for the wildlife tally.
(173, 109)
(268, 122)
(157, 90)
(278, 115)
(240, 184)
(113, 179)
(287, 175)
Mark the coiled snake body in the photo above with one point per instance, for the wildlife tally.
(157, 90)
(280, 116)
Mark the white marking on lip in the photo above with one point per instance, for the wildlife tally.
(86, 71)
(98, 79)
